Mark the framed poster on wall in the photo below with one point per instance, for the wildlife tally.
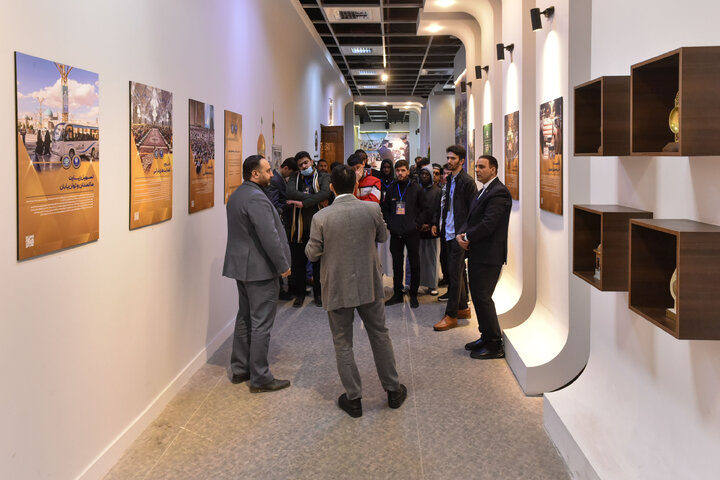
(202, 156)
(233, 152)
(487, 139)
(151, 155)
(276, 160)
(551, 160)
(512, 154)
(58, 155)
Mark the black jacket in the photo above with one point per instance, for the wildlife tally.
(433, 195)
(465, 193)
(487, 225)
(276, 193)
(318, 190)
(412, 195)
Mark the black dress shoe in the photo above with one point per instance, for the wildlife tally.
(318, 302)
(444, 297)
(414, 301)
(285, 296)
(394, 300)
(298, 302)
(271, 386)
(395, 399)
(351, 407)
(488, 351)
(240, 378)
(475, 345)
(442, 282)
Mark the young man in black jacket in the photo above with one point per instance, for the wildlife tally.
(404, 210)
(460, 192)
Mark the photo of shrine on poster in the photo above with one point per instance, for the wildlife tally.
(512, 154)
(202, 156)
(58, 154)
(487, 139)
(233, 152)
(151, 155)
(551, 161)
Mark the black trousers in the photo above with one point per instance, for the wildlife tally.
(483, 279)
(298, 281)
(398, 243)
(457, 287)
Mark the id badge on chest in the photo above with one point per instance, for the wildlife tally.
(400, 208)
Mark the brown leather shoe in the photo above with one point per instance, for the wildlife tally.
(465, 314)
(445, 324)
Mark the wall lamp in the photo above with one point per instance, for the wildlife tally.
(463, 87)
(501, 51)
(479, 70)
(535, 17)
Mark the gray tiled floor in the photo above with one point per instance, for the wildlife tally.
(463, 418)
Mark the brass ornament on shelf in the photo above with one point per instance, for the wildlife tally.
(598, 262)
(672, 312)
(261, 141)
(674, 124)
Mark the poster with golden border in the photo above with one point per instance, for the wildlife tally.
(512, 154)
(202, 156)
(551, 160)
(151, 155)
(233, 152)
(58, 154)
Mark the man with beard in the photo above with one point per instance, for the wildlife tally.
(257, 254)
(307, 190)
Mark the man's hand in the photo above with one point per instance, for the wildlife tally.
(324, 203)
(462, 242)
(295, 203)
(285, 274)
(434, 230)
(425, 227)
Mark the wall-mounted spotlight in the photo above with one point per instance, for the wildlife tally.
(501, 51)
(463, 87)
(535, 17)
(479, 70)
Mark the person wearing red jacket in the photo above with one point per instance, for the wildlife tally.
(368, 188)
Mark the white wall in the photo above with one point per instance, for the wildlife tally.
(441, 125)
(647, 405)
(92, 336)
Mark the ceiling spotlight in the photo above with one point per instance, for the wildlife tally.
(384, 77)
(479, 70)
(444, 3)
(434, 28)
(501, 51)
(535, 19)
(385, 103)
(361, 103)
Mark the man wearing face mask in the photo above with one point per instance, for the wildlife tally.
(368, 188)
(306, 192)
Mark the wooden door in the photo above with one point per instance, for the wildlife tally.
(332, 145)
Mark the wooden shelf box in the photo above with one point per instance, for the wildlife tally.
(694, 74)
(602, 117)
(657, 247)
(606, 225)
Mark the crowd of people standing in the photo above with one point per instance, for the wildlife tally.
(434, 215)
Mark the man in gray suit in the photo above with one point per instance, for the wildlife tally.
(344, 235)
(257, 254)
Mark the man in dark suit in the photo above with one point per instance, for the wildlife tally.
(257, 254)
(344, 236)
(277, 193)
(459, 194)
(484, 235)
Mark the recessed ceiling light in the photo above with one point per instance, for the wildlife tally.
(385, 103)
(361, 103)
(384, 77)
(434, 28)
(371, 87)
(361, 50)
(444, 3)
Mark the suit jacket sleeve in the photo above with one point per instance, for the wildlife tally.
(313, 199)
(292, 192)
(498, 207)
(381, 231)
(276, 196)
(314, 247)
(261, 213)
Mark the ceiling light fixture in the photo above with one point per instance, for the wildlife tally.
(535, 19)
(361, 50)
(444, 3)
(434, 28)
(384, 77)
(371, 87)
(501, 51)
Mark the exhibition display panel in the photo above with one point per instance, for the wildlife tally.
(602, 117)
(600, 244)
(675, 276)
(675, 103)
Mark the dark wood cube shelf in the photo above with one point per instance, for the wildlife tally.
(606, 225)
(602, 117)
(657, 247)
(694, 74)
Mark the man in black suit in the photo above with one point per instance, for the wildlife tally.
(484, 236)
(459, 194)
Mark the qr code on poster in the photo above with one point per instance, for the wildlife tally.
(29, 241)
